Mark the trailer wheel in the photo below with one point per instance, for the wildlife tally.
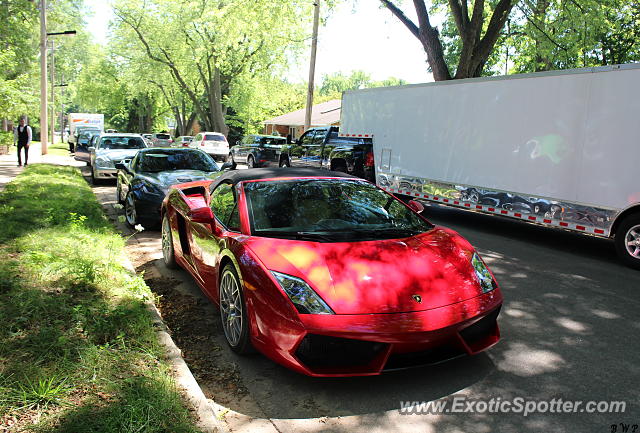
(627, 241)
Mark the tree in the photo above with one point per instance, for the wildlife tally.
(208, 47)
(340, 82)
(555, 34)
(477, 35)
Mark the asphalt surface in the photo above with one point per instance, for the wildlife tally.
(569, 331)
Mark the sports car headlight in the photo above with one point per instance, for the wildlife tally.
(303, 297)
(487, 283)
(103, 162)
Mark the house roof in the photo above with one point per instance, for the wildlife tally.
(327, 113)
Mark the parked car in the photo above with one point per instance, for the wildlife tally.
(161, 139)
(112, 149)
(82, 152)
(144, 181)
(74, 139)
(183, 141)
(327, 274)
(322, 148)
(214, 143)
(85, 136)
(257, 151)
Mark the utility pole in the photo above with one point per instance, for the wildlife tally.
(53, 105)
(44, 127)
(312, 66)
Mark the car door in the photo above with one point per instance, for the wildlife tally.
(82, 152)
(243, 149)
(206, 246)
(313, 152)
(298, 150)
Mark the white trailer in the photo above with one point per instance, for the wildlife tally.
(87, 120)
(561, 149)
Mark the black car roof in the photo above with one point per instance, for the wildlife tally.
(235, 176)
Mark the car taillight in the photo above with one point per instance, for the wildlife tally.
(368, 159)
(202, 143)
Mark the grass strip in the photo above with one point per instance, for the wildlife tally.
(77, 348)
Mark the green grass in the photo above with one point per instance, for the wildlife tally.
(77, 346)
(61, 149)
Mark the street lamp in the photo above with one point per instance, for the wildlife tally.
(44, 127)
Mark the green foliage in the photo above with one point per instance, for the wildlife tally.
(19, 38)
(549, 34)
(333, 85)
(77, 345)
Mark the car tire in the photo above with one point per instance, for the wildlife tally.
(233, 311)
(250, 162)
(339, 167)
(627, 241)
(168, 253)
(94, 179)
(130, 214)
(284, 162)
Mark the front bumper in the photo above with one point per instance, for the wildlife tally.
(106, 173)
(368, 344)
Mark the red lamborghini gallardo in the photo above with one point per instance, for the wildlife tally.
(327, 274)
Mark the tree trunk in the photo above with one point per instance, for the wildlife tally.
(475, 49)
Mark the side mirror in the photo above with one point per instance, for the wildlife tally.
(202, 215)
(416, 206)
(227, 165)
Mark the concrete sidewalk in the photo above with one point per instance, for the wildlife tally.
(9, 163)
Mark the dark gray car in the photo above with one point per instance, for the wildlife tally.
(258, 151)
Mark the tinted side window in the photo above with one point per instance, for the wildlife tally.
(223, 202)
(319, 137)
(308, 137)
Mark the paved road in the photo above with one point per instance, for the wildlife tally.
(569, 325)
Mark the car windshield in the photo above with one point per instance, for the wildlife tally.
(163, 136)
(272, 141)
(89, 134)
(212, 137)
(168, 161)
(121, 143)
(328, 210)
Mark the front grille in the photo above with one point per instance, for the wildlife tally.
(431, 356)
(320, 351)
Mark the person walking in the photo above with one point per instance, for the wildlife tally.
(22, 136)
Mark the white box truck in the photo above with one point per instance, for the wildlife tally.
(560, 149)
(79, 121)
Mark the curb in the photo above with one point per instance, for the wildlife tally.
(204, 408)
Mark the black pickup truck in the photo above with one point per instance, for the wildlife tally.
(321, 147)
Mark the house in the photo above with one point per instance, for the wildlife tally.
(324, 114)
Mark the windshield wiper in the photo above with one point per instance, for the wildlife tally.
(400, 232)
(303, 236)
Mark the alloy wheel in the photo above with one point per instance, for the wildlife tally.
(231, 306)
(130, 210)
(632, 241)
